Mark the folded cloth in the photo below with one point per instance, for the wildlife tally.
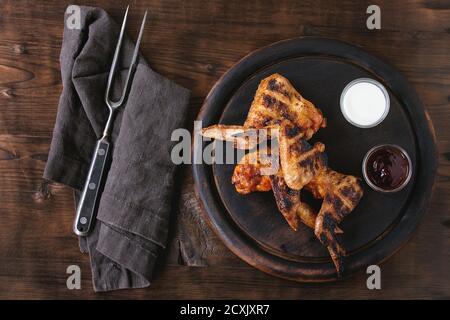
(133, 215)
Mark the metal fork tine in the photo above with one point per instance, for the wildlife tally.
(133, 60)
(132, 64)
(115, 58)
(138, 42)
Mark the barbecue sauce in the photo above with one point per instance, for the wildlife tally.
(387, 167)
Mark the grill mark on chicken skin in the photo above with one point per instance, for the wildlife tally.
(276, 99)
(300, 161)
(341, 194)
(275, 86)
(270, 101)
(291, 131)
(289, 203)
(285, 201)
(351, 194)
(273, 103)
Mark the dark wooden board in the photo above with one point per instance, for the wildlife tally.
(194, 43)
(320, 80)
(319, 69)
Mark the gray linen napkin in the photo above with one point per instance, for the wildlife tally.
(135, 206)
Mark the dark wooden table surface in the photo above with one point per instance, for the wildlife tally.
(194, 43)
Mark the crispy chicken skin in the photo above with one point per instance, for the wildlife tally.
(247, 176)
(341, 194)
(289, 203)
(277, 100)
(276, 103)
(300, 161)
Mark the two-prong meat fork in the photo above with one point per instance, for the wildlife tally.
(88, 204)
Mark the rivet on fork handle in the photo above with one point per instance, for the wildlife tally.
(88, 204)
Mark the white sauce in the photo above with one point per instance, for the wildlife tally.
(364, 103)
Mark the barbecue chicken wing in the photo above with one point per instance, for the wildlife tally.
(278, 104)
(341, 194)
(300, 161)
(276, 100)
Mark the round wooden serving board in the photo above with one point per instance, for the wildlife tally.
(251, 225)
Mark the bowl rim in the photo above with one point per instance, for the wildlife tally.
(374, 186)
(374, 82)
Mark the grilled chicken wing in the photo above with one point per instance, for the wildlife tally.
(277, 100)
(341, 194)
(278, 104)
(300, 161)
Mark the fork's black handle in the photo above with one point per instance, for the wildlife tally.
(87, 207)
